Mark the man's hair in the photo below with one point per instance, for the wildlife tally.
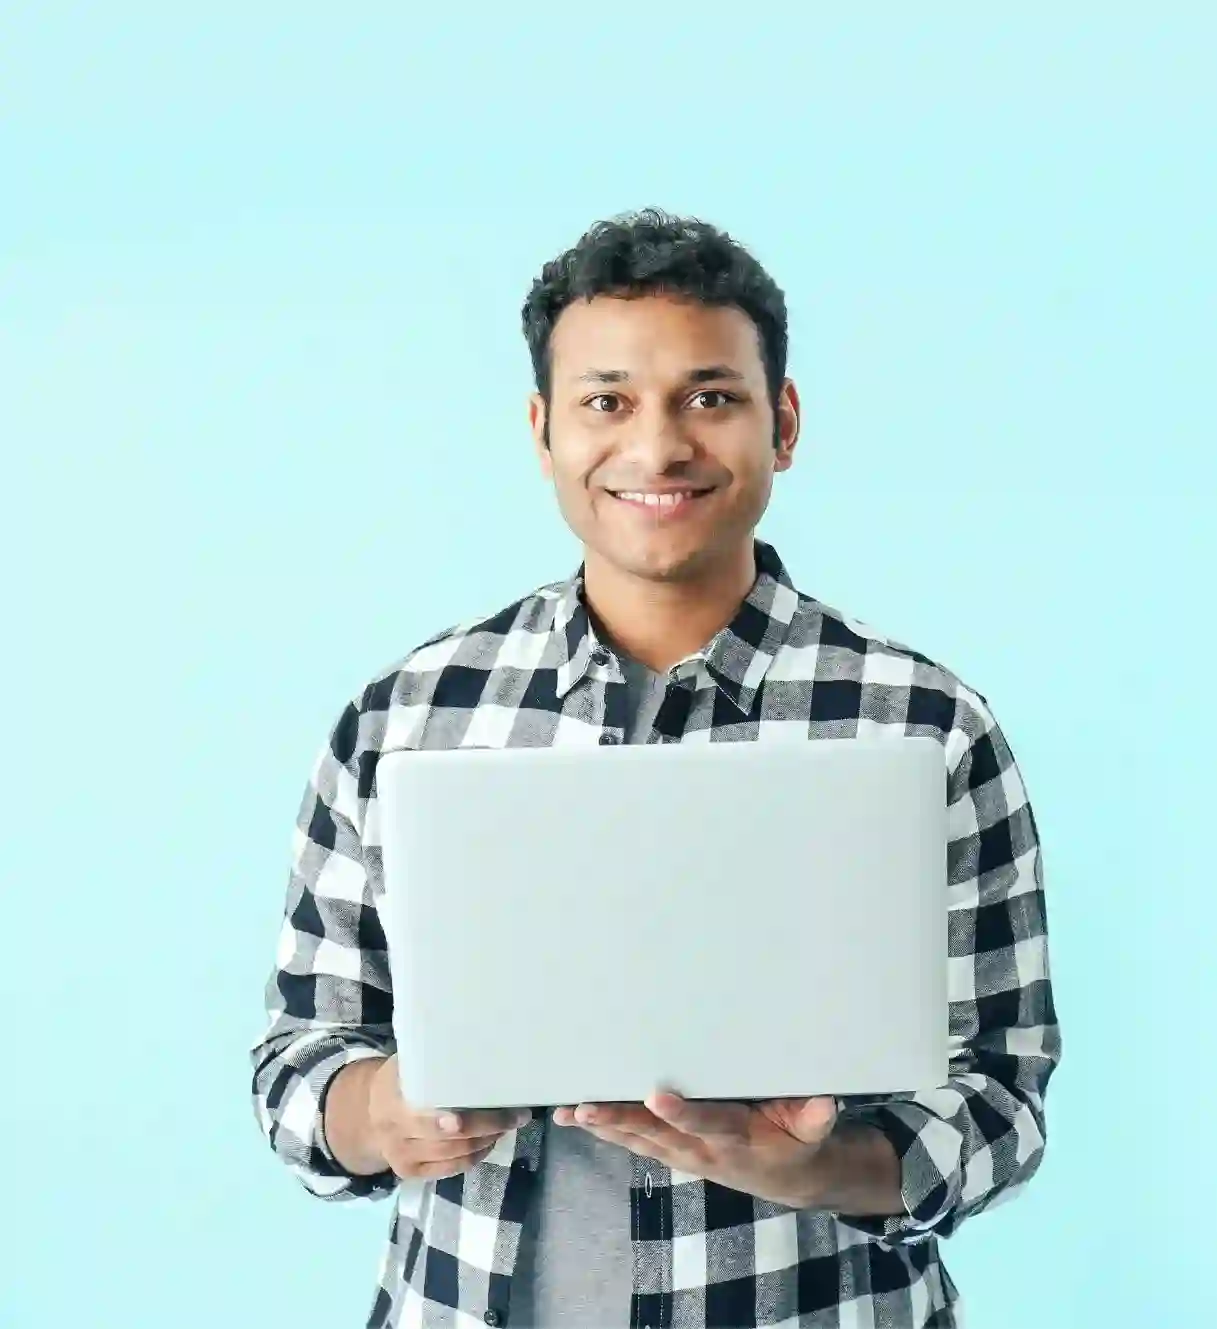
(652, 253)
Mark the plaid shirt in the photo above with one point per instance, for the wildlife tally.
(536, 675)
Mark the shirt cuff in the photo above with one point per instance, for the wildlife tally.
(304, 1117)
(929, 1150)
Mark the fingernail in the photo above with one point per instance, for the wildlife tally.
(449, 1122)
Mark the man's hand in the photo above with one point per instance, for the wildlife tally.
(417, 1145)
(768, 1150)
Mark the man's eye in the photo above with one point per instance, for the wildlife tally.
(610, 397)
(725, 397)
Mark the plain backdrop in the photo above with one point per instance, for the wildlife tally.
(262, 394)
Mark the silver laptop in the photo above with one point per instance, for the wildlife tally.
(739, 921)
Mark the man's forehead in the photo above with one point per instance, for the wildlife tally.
(652, 335)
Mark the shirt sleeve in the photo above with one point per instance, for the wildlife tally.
(329, 997)
(979, 1138)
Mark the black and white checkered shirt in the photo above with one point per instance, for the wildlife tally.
(536, 675)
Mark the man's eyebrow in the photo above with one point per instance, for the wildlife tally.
(604, 376)
(703, 374)
(712, 373)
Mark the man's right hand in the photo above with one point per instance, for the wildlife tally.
(424, 1145)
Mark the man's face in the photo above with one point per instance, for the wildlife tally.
(661, 433)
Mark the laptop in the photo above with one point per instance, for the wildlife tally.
(740, 921)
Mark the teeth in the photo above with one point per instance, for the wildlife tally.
(656, 500)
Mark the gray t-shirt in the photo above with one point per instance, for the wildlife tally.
(576, 1264)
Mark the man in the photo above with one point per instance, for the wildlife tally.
(662, 416)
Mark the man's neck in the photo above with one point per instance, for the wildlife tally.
(661, 623)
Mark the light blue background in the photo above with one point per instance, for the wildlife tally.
(262, 407)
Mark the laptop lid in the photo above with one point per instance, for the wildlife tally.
(728, 920)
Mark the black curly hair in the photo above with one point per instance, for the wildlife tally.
(650, 253)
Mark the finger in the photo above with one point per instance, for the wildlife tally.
(643, 1133)
(816, 1119)
(637, 1119)
(448, 1167)
(807, 1119)
(797, 1105)
(447, 1125)
(435, 1151)
(407, 1156)
(707, 1119)
(644, 1146)
(620, 1116)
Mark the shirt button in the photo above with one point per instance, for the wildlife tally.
(493, 1318)
(607, 740)
(648, 1186)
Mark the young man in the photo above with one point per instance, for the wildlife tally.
(662, 416)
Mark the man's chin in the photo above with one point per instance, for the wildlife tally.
(665, 566)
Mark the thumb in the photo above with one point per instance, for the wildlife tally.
(807, 1120)
(812, 1119)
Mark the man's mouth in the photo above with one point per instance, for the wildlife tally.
(660, 501)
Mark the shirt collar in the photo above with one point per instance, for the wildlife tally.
(737, 658)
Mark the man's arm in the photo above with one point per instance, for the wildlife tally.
(855, 1171)
(347, 1125)
(980, 1138)
(329, 998)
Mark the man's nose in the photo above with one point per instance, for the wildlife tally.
(658, 440)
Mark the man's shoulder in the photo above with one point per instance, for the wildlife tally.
(517, 632)
(884, 664)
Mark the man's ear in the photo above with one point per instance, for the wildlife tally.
(538, 415)
(786, 426)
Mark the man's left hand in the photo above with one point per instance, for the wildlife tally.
(767, 1150)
